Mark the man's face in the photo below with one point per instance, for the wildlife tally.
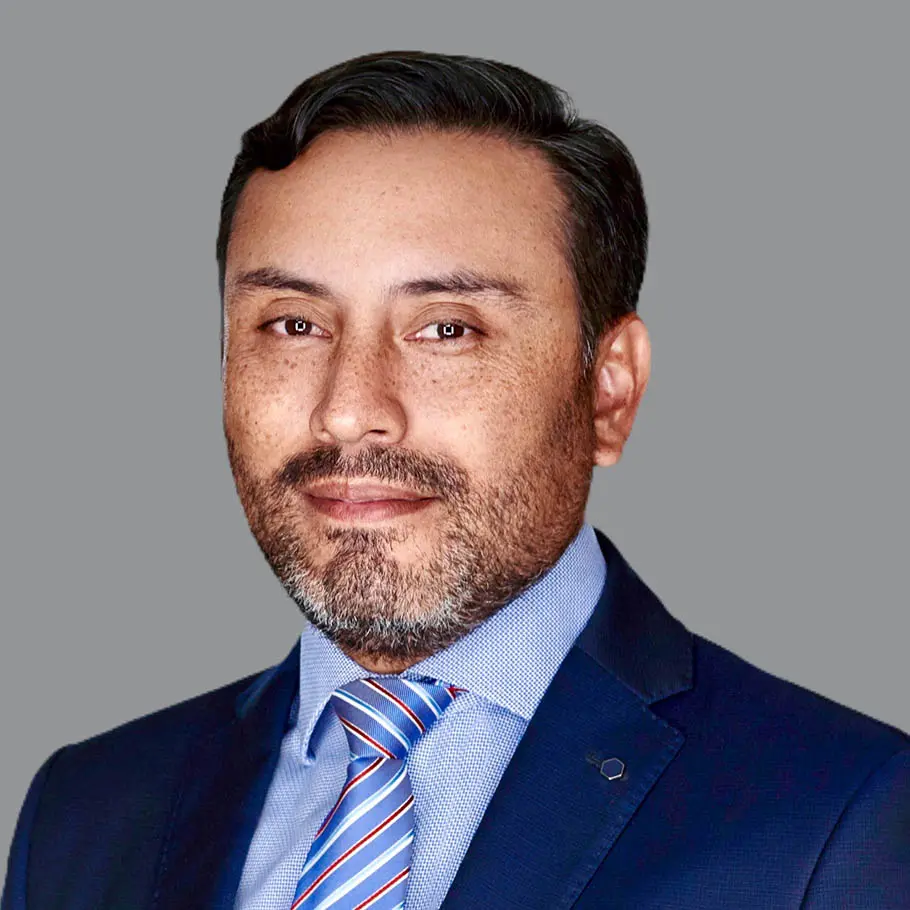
(349, 277)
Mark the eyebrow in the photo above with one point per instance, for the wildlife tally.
(459, 282)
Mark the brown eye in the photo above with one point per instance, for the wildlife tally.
(451, 330)
(296, 326)
(291, 326)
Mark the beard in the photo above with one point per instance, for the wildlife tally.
(495, 539)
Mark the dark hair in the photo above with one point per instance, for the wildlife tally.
(606, 222)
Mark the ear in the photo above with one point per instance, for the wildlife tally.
(622, 370)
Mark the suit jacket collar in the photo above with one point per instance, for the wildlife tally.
(552, 802)
(632, 636)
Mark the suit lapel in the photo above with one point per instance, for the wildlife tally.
(224, 788)
(554, 816)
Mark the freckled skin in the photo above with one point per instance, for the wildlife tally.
(498, 423)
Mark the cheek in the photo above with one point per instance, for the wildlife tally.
(486, 418)
(458, 400)
(265, 412)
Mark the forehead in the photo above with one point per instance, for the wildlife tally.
(360, 207)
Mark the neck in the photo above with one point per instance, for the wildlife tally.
(376, 663)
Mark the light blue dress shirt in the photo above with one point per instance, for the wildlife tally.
(505, 664)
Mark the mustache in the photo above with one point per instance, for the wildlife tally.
(426, 474)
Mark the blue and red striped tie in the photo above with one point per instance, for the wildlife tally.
(361, 855)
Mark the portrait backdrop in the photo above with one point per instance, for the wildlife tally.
(763, 494)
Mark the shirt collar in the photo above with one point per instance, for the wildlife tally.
(509, 660)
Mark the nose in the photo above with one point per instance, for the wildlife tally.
(359, 398)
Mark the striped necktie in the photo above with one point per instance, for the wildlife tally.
(360, 857)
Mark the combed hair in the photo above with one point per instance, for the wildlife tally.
(605, 222)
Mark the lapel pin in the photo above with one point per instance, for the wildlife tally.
(610, 768)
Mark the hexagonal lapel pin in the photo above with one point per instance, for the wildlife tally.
(610, 768)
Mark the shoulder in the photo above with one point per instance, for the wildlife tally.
(143, 757)
(113, 791)
(785, 771)
(189, 719)
(750, 700)
(775, 739)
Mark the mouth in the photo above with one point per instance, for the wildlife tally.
(367, 509)
(362, 491)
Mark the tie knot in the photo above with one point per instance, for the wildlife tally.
(387, 716)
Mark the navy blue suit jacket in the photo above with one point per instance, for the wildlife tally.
(739, 790)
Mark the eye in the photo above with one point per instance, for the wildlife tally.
(451, 330)
(293, 326)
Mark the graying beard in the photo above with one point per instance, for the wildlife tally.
(391, 637)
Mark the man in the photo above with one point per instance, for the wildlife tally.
(429, 268)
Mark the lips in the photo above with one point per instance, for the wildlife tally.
(363, 492)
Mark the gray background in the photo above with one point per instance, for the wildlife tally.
(763, 494)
